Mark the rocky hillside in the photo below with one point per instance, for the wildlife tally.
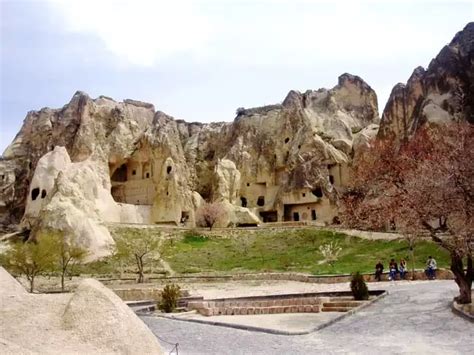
(272, 163)
(98, 160)
(442, 93)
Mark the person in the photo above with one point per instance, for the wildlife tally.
(378, 271)
(402, 269)
(431, 267)
(392, 267)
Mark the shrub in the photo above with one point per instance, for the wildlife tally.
(359, 287)
(209, 213)
(169, 298)
(330, 252)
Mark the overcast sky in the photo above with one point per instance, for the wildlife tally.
(200, 60)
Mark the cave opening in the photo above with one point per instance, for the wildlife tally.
(120, 175)
(34, 193)
(318, 192)
(261, 201)
(243, 201)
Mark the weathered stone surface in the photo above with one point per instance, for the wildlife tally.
(444, 92)
(110, 322)
(130, 164)
(93, 320)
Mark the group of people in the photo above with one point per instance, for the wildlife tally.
(393, 269)
(401, 269)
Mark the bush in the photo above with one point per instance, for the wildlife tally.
(359, 287)
(169, 298)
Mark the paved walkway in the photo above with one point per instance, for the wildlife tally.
(413, 318)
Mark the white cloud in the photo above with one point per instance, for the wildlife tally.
(253, 33)
(140, 32)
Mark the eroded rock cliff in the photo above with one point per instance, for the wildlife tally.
(97, 160)
(444, 92)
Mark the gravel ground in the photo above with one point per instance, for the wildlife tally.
(414, 318)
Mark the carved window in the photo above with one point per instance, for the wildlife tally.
(168, 169)
(34, 193)
(318, 192)
(261, 201)
(243, 201)
(287, 140)
(134, 172)
(331, 179)
(147, 175)
(43, 193)
(303, 194)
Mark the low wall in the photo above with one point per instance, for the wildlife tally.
(272, 304)
(153, 291)
(442, 274)
(135, 294)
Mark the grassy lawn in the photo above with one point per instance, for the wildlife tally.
(292, 250)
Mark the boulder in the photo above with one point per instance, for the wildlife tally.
(99, 317)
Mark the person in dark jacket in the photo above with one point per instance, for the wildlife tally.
(378, 271)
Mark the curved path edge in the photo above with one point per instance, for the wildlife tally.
(276, 331)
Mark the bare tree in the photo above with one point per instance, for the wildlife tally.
(137, 246)
(330, 252)
(209, 213)
(423, 187)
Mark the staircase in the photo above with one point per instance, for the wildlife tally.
(340, 305)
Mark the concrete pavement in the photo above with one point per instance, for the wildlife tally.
(413, 318)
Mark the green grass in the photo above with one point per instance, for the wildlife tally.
(294, 250)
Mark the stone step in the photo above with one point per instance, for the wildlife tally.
(343, 304)
(230, 311)
(336, 309)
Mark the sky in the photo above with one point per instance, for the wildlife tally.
(200, 60)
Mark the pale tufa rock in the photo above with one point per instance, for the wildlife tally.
(130, 164)
(109, 323)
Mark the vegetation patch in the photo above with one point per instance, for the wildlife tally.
(297, 250)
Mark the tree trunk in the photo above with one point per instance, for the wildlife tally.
(32, 283)
(412, 252)
(63, 273)
(463, 279)
(141, 276)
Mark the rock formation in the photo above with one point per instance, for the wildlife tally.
(442, 93)
(97, 160)
(108, 321)
(92, 320)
